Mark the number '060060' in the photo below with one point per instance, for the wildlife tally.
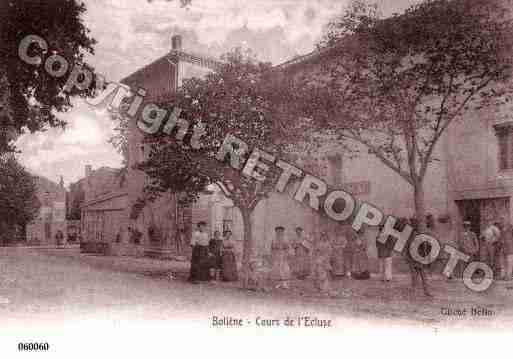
(33, 346)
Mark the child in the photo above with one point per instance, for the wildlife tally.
(280, 249)
(255, 276)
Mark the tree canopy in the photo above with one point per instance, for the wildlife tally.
(18, 201)
(30, 98)
(245, 99)
(394, 85)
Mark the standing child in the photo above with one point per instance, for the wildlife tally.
(280, 249)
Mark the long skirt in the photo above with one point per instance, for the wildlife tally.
(280, 270)
(229, 266)
(338, 263)
(200, 264)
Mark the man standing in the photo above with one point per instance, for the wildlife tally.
(468, 242)
(385, 248)
(507, 247)
(491, 237)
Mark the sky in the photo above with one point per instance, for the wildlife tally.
(133, 33)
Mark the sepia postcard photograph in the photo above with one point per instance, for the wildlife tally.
(257, 178)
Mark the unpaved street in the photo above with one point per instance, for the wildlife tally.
(64, 285)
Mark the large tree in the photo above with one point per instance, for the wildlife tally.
(243, 99)
(18, 201)
(395, 85)
(30, 98)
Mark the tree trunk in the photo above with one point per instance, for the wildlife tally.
(247, 249)
(417, 269)
(420, 208)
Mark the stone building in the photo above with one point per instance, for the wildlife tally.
(52, 214)
(122, 216)
(472, 178)
(104, 208)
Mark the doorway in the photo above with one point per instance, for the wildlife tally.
(470, 210)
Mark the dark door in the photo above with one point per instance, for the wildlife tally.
(470, 210)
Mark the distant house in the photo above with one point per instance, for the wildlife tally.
(104, 204)
(52, 214)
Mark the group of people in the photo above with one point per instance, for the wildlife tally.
(493, 246)
(300, 258)
(321, 259)
(212, 258)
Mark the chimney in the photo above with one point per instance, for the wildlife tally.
(88, 170)
(176, 42)
(61, 183)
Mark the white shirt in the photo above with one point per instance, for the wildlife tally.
(492, 234)
(199, 238)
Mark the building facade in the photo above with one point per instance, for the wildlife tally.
(123, 217)
(52, 214)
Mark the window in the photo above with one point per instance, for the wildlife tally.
(228, 219)
(504, 133)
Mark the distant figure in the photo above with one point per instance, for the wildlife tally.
(200, 269)
(180, 240)
(302, 255)
(215, 247)
(280, 249)
(228, 260)
(321, 263)
(59, 238)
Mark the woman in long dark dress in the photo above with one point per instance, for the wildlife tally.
(228, 261)
(200, 266)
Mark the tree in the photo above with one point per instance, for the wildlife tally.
(243, 99)
(29, 96)
(395, 85)
(18, 201)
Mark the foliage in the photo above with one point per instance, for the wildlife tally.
(18, 201)
(395, 85)
(29, 96)
(244, 98)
